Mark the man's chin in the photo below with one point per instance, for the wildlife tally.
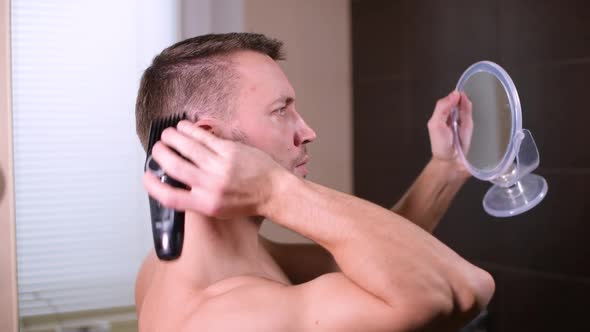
(301, 171)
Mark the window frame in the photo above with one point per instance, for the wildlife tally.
(8, 286)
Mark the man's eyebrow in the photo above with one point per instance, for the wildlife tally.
(283, 100)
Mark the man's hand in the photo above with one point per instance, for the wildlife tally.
(430, 195)
(226, 179)
(440, 127)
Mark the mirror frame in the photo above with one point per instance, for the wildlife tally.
(516, 115)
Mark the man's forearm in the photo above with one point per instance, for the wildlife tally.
(430, 195)
(377, 249)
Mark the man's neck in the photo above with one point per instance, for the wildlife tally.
(226, 246)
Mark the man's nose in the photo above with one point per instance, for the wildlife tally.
(304, 134)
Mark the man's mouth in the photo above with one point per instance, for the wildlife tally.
(301, 166)
(303, 161)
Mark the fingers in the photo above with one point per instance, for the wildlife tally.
(466, 112)
(190, 148)
(443, 108)
(203, 151)
(200, 135)
(175, 166)
(197, 199)
(170, 197)
(466, 107)
(466, 121)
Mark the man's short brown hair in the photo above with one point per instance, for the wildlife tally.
(195, 76)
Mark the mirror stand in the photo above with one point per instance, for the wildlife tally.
(517, 190)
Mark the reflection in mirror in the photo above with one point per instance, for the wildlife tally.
(492, 121)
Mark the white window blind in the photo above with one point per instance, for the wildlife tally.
(82, 220)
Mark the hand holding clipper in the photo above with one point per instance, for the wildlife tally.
(167, 224)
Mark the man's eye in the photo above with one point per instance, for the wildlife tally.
(281, 111)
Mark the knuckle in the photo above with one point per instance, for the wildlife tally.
(432, 124)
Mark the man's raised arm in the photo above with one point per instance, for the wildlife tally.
(406, 277)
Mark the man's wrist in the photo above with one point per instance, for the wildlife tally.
(280, 180)
(452, 170)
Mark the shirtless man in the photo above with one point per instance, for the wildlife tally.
(372, 269)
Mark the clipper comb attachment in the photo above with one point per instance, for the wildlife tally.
(167, 224)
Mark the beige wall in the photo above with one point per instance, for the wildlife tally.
(8, 301)
(318, 44)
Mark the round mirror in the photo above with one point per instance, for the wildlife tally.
(491, 143)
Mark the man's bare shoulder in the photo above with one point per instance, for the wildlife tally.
(241, 303)
(168, 306)
(166, 302)
(144, 279)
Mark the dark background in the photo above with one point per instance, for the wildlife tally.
(406, 55)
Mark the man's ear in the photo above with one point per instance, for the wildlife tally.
(211, 125)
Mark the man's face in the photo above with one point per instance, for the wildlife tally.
(265, 115)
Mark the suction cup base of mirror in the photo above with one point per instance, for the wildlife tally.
(519, 198)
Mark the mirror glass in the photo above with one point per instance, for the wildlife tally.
(492, 120)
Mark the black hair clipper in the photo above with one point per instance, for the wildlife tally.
(167, 224)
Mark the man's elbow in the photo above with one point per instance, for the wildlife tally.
(484, 288)
(475, 294)
(461, 301)
(444, 305)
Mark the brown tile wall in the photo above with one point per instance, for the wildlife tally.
(409, 53)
